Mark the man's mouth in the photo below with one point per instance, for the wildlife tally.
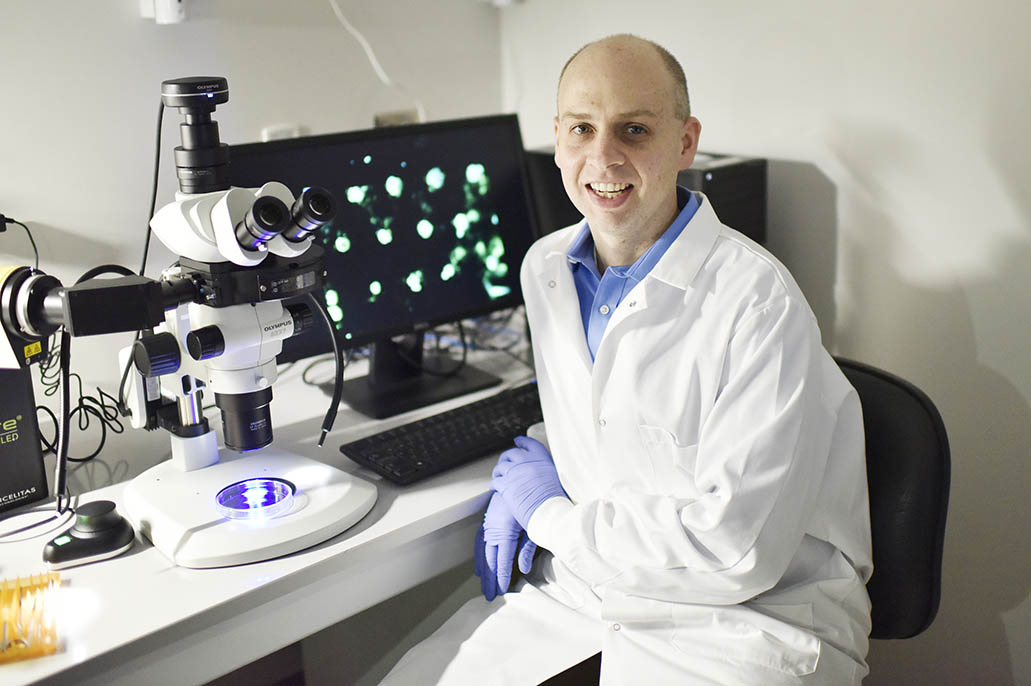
(610, 190)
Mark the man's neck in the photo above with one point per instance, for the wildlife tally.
(616, 250)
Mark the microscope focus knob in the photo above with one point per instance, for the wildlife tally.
(205, 343)
(156, 355)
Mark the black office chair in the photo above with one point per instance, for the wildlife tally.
(908, 469)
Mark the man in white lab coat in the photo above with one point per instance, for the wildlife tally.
(698, 491)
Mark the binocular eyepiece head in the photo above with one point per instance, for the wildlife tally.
(269, 216)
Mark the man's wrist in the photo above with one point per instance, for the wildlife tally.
(544, 528)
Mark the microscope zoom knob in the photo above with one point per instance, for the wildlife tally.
(302, 316)
(205, 343)
(156, 355)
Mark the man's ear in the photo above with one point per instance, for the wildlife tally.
(555, 158)
(689, 135)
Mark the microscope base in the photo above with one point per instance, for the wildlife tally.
(176, 510)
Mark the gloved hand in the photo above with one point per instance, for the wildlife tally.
(525, 477)
(496, 543)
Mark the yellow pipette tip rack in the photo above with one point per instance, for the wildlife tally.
(27, 625)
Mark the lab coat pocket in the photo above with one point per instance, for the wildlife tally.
(737, 633)
(671, 461)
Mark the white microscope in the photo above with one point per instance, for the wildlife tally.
(219, 324)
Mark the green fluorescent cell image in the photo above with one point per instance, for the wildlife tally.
(394, 186)
(375, 289)
(332, 297)
(458, 254)
(335, 313)
(474, 173)
(342, 243)
(367, 159)
(356, 194)
(435, 179)
(494, 219)
(448, 272)
(495, 291)
(473, 215)
(461, 224)
(496, 247)
(414, 281)
(424, 228)
(384, 236)
(481, 249)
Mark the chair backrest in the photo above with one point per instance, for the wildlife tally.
(908, 470)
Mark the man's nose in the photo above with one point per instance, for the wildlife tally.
(606, 151)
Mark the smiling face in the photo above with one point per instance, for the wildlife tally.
(619, 143)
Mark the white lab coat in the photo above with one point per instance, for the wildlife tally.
(717, 530)
(713, 454)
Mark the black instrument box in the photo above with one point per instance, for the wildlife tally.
(22, 474)
(736, 187)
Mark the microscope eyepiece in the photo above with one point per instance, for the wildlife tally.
(313, 209)
(267, 218)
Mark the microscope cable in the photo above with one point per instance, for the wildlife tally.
(338, 381)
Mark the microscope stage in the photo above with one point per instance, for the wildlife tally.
(177, 510)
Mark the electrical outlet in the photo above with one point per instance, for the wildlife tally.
(396, 118)
(276, 132)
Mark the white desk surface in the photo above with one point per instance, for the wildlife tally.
(138, 619)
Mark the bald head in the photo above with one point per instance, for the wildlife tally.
(627, 44)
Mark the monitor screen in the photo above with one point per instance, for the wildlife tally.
(432, 222)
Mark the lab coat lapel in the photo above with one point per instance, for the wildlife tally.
(564, 312)
(677, 268)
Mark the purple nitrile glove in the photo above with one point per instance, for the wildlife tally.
(496, 545)
(525, 477)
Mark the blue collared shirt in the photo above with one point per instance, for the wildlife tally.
(600, 294)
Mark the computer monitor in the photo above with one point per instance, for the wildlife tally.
(432, 223)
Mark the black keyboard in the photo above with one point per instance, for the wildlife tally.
(428, 446)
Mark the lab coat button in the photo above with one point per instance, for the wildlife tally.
(551, 284)
(631, 303)
(616, 627)
(601, 422)
(604, 309)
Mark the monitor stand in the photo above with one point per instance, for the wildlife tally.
(400, 379)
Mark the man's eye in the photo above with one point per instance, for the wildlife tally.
(636, 130)
(580, 129)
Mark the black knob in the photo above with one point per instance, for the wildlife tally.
(205, 343)
(302, 316)
(156, 355)
(98, 515)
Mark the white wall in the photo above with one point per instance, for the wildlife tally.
(908, 122)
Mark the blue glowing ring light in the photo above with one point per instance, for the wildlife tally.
(258, 498)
